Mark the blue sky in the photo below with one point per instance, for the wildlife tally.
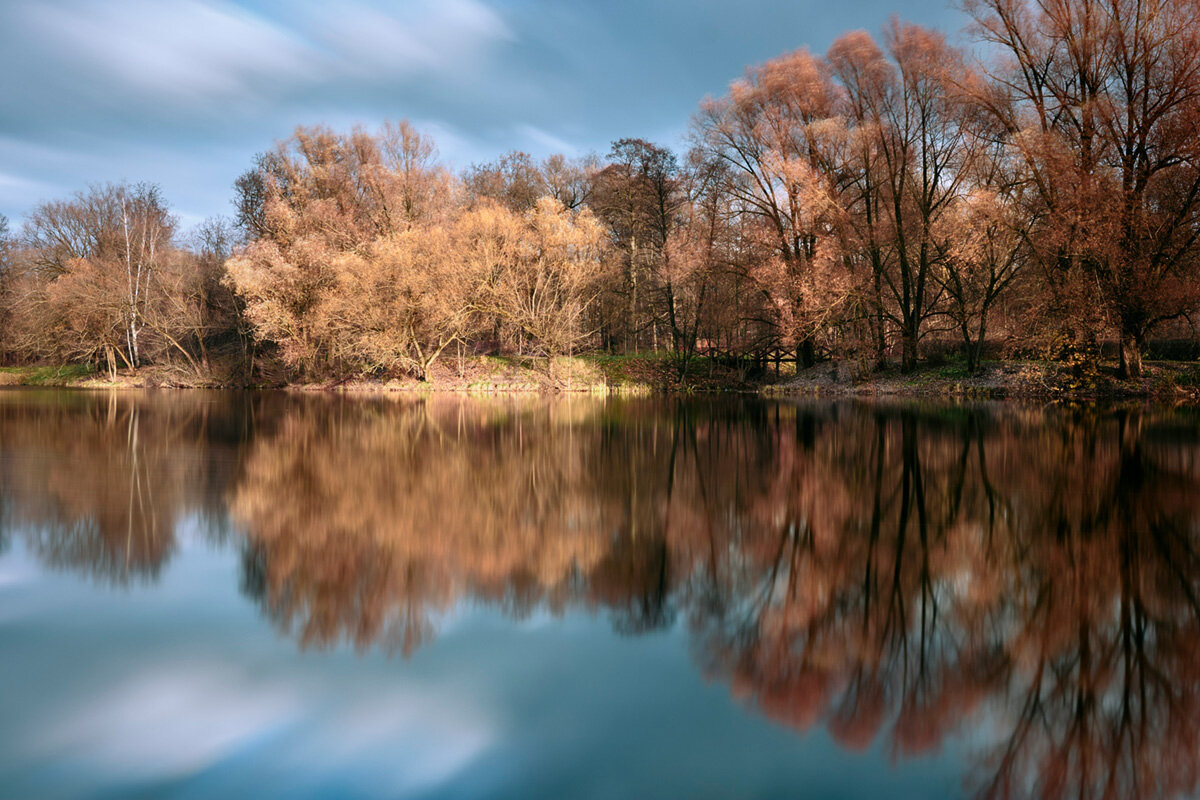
(185, 92)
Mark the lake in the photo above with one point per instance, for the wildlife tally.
(273, 595)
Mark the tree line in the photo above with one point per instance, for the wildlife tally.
(892, 195)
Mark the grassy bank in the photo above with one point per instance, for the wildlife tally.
(63, 375)
(648, 374)
(1170, 380)
(593, 373)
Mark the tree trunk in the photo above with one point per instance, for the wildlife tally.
(807, 353)
(880, 324)
(974, 349)
(1131, 354)
(974, 356)
(908, 353)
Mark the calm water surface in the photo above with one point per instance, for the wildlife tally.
(216, 595)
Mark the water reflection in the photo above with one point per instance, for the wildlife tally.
(1026, 579)
(97, 484)
(1038, 572)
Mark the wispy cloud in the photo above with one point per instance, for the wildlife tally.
(151, 57)
(165, 723)
(544, 140)
(184, 51)
(426, 36)
(170, 720)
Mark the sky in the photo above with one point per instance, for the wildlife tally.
(184, 93)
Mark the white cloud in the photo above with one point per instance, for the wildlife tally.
(179, 718)
(442, 36)
(439, 736)
(17, 182)
(184, 50)
(169, 722)
(189, 51)
(16, 190)
(546, 141)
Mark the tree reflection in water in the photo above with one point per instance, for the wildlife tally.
(98, 483)
(1028, 578)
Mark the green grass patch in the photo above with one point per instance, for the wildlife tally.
(1188, 378)
(614, 369)
(47, 376)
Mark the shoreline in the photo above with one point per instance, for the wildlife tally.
(1177, 382)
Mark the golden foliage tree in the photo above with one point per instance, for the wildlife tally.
(370, 264)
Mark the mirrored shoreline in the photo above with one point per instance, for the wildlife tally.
(899, 577)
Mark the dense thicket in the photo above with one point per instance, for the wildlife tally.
(888, 197)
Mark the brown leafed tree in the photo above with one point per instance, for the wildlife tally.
(517, 181)
(772, 131)
(984, 241)
(8, 253)
(399, 304)
(322, 202)
(372, 264)
(545, 277)
(639, 197)
(1101, 99)
(908, 159)
(697, 257)
(514, 180)
(96, 281)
